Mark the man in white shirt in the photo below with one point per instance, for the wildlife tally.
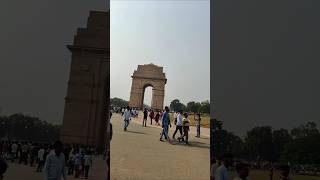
(222, 171)
(178, 124)
(40, 159)
(14, 150)
(127, 117)
(55, 163)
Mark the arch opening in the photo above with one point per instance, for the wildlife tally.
(147, 96)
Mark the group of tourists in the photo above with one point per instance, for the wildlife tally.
(55, 160)
(181, 122)
(220, 169)
(133, 111)
(152, 115)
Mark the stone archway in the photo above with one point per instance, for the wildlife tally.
(145, 76)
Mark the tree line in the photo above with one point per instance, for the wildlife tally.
(300, 145)
(195, 107)
(118, 102)
(26, 128)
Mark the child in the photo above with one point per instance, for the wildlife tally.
(186, 129)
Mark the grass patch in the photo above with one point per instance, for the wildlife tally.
(264, 175)
(205, 120)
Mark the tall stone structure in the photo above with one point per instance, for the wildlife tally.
(145, 76)
(86, 113)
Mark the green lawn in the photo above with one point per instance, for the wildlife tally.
(264, 175)
(205, 120)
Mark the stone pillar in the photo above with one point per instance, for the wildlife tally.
(86, 114)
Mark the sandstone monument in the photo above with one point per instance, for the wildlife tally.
(145, 76)
(86, 113)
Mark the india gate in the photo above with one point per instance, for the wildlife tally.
(145, 76)
(86, 112)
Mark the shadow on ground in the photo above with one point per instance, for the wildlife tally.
(192, 144)
(135, 132)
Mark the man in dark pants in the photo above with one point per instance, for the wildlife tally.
(145, 116)
(178, 124)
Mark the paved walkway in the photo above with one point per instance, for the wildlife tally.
(21, 172)
(139, 155)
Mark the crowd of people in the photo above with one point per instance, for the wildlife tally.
(181, 121)
(54, 160)
(220, 169)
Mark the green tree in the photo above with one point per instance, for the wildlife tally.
(192, 107)
(205, 107)
(259, 145)
(118, 102)
(281, 138)
(304, 150)
(176, 105)
(22, 127)
(308, 129)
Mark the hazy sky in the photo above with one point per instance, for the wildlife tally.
(266, 63)
(173, 34)
(34, 60)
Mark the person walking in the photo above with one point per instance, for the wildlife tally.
(71, 162)
(156, 118)
(186, 129)
(77, 163)
(178, 124)
(145, 116)
(197, 119)
(40, 159)
(222, 171)
(165, 125)
(213, 168)
(14, 150)
(55, 163)
(175, 115)
(127, 117)
(87, 163)
(151, 115)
